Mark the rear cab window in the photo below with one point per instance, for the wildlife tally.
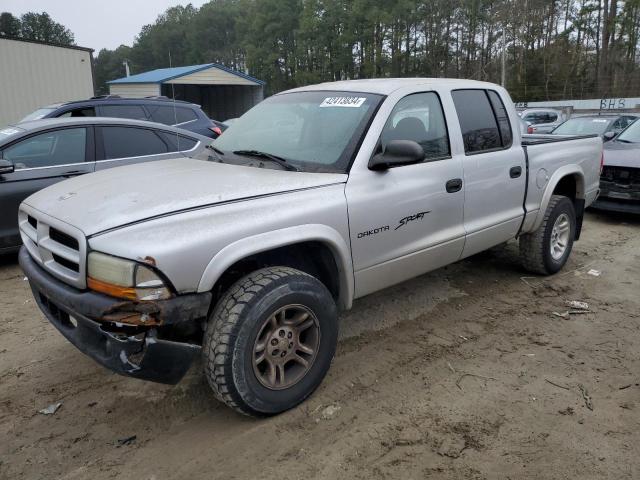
(483, 120)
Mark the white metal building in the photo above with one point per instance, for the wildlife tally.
(223, 93)
(35, 74)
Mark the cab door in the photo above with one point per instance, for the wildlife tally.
(407, 220)
(40, 160)
(494, 170)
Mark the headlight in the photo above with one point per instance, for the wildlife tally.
(122, 278)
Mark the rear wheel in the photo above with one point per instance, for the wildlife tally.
(270, 341)
(546, 250)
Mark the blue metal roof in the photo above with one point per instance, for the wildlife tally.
(162, 75)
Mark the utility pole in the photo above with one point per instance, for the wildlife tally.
(126, 67)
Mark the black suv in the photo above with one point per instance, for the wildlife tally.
(185, 115)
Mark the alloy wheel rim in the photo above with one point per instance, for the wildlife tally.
(286, 347)
(560, 236)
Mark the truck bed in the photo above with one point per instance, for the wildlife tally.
(547, 154)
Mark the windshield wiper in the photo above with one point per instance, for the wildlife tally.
(268, 156)
(217, 152)
(624, 141)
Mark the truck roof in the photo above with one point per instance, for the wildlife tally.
(385, 86)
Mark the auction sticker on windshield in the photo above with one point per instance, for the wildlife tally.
(353, 102)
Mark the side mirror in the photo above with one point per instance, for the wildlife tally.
(6, 166)
(397, 153)
(608, 136)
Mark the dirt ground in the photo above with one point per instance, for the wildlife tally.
(463, 373)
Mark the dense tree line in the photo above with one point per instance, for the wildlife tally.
(35, 26)
(551, 48)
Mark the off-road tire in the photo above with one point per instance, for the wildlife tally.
(230, 335)
(535, 248)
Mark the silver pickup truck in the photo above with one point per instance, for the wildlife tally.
(314, 198)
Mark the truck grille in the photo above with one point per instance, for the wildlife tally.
(59, 248)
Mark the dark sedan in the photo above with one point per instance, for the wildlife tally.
(620, 179)
(34, 155)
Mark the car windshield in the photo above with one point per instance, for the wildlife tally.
(313, 131)
(583, 126)
(38, 114)
(631, 134)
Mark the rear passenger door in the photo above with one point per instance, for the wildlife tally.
(494, 170)
(40, 160)
(122, 145)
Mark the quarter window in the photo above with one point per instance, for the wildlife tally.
(169, 115)
(185, 115)
(61, 147)
(178, 142)
(480, 131)
(419, 117)
(124, 142)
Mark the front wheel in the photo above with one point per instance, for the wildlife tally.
(270, 341)
(546, 250)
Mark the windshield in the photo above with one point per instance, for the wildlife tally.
(631, 134)
(312, 131)
(38, 114)
(583, 126)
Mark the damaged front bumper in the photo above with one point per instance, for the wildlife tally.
(89, 320)
(619, 190)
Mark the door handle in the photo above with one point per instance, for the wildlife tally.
(454, 185)
(515, 172)
(72, 173)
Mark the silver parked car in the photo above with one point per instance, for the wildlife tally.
(542, 120)
(605, 125)
(36, 154)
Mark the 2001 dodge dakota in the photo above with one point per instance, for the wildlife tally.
(315, 197)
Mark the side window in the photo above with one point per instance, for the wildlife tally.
(480, 130)
(185, 115)
(61, 147)
(79, 112)
(167, 115)
(503, 118)
(419, 117)
(178, 142)
(124, 111)
(162, 114)
(124, 142)
(618, 125)
(626, 121)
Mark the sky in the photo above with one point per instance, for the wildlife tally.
(98, 24)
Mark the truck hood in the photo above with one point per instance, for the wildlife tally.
(111, 198)
(620, 154)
